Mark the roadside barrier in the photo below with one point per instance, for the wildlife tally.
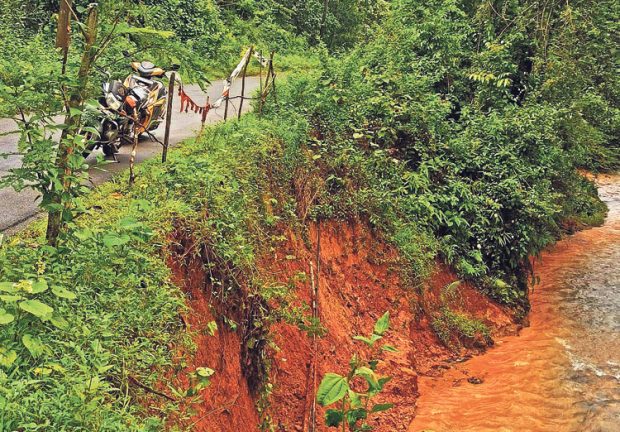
(189, 105)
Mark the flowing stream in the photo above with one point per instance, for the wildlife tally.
(562, 373)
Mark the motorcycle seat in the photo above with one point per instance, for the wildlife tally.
(148, 69)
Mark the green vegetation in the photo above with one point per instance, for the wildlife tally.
(352, 394)
(455, 329)
(454, 128)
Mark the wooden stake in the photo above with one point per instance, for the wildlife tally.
(164, 154)
(226, 107)
(260, 84)
(132, 158)
(245, 69)
(205, 111)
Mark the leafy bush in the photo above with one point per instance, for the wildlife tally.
(448, 114)
(352, 404)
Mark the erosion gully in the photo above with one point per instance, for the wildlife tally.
(562, 373)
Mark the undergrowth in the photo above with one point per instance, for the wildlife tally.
(456, 329)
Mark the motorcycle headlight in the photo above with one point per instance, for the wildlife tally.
(112, 102)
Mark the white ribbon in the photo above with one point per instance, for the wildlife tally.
(228, 82)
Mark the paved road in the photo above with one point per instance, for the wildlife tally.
(16, 209)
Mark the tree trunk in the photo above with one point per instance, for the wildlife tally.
(324, 18)
(72, 121)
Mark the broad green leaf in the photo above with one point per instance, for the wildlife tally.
(39, 286)
(8, 287)
(75, 112)
(129, 223)
(10, 298)
(83, 234)
(381, 407)
(111, 240)
(382, 324)
(36, 308)
(34, 345)
(63, 293)
(5, 317)
(333, 418)
(333, 387)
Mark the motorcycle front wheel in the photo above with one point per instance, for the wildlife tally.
(110, 150)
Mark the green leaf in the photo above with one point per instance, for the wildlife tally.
(369, 375)
(34, 345)
(7, 358)
(8, 287)
(10, 298)
(381, 407)
(73, 112)
(381, 382)
(389, 348)
(36, 308)
(5, 317)
(59, 322)
(333, 387)
(111, 240)
(354, 415)
(500, 284)
(368, 341)
(63, 293)
(204, 372)
(333, 418)
(356, 401)
(363, 339)
(39, 286)
(382, 324)
(212, 328)
(83, 234)
(130, 223)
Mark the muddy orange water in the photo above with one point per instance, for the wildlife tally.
(562, 373)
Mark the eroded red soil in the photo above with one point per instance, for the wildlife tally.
(358, 281)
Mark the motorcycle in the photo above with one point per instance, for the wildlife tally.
(142, 94)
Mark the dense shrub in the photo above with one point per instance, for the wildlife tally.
(459, 98)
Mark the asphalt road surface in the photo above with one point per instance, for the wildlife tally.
(17, 209)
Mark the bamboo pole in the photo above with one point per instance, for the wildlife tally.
(132, 158)
(245, 69)
(164, 154)
(273, 78)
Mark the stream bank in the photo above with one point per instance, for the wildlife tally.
(559, 374)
